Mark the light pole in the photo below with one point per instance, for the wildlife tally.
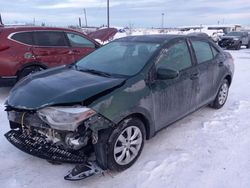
(162, 20)
(85, 15)
(80, 22)
(1, 22)
(108, 13)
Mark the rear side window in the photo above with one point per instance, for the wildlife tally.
(176, 58)
(79, 41)
(49, 38)
(202, 51)
(24, 37)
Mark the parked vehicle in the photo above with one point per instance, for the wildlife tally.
(109, 102)
(25, 50)
(234, 40)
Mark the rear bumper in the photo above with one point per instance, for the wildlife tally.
(7, 81)
(39, 147)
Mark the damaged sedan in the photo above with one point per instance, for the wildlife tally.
(98, 112)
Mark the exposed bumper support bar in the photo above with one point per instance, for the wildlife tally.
(39, 147)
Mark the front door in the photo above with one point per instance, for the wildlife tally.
(174, 98)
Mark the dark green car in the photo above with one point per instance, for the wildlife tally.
(98, 111)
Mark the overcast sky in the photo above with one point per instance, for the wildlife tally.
(139, 13)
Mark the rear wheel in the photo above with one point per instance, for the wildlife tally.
(221, 96)
(29, 70)
(125, 144)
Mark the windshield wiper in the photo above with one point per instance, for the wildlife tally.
(93, 71)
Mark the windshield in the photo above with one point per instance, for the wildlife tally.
(235, 34)
(119, 58)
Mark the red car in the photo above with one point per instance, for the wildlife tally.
(24, 50)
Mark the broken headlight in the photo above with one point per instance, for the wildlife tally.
(65, 118)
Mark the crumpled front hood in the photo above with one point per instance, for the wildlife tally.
(103, 34)
(58, 86)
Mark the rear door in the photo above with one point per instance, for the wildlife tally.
(207, 65)
(174, 98)
(51, 48)
(80, 46)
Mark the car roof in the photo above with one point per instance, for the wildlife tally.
(32, 28)
(159, 38)
(11, 29)
(150, 38)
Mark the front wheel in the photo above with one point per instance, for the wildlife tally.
(125, 144)
(221, 96)
(238, 46)
(248, 45)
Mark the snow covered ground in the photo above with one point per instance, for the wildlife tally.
(208, 149)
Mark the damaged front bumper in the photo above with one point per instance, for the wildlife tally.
(32, 135)
(37, 146)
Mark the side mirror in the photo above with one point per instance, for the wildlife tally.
(164, 74)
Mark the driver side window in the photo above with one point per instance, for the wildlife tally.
(176, 58)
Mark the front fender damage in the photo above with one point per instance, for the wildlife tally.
(87, 145)
(101, 129)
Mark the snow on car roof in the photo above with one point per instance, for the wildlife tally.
(150, 38)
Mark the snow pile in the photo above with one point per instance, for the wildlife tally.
(208, 149)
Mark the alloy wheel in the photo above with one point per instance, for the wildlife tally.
(127, 145)
(223, 94)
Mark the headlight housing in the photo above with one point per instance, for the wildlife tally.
(65, 118)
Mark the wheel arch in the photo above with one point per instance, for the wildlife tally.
(229, 79)
(145, 122)
(226, 76)
(27, 65)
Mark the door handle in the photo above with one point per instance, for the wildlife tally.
(221, 64)
(194, 76)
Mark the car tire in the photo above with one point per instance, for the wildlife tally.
(29, 70)
(125, 144)
(248, 45)
(238, 46)
(221, 96)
